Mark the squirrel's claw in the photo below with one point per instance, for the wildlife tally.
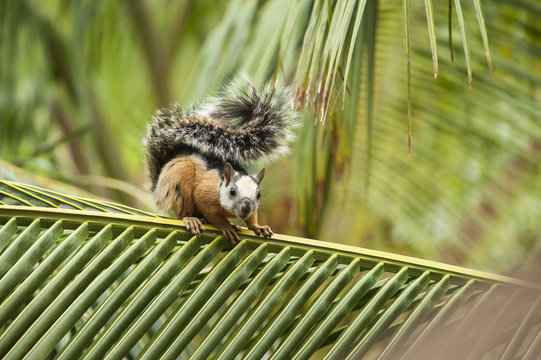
(194, 225)
(264, 230)
(231, 235)
(236, 227)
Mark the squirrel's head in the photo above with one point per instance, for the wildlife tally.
(240, 194)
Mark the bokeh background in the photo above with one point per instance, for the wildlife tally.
(79, 80)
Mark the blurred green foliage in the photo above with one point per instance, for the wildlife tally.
(80, 79)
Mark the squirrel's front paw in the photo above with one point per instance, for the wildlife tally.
(194, 225)
(236, 228)
(264, 230)
(231, 235)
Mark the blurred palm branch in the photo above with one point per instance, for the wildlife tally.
(79, 80)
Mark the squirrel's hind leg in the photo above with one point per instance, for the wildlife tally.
(174, 190)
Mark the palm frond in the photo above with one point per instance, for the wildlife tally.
(104, 285)
(19, 194)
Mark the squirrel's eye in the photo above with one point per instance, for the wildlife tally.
(258, 194)
(232, 192)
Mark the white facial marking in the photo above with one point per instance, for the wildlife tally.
(245, 188)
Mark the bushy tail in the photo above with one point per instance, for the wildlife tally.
(242, 126)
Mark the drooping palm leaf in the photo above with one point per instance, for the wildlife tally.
(476, 164)
(101, 285)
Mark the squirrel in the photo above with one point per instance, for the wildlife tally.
(195, 157)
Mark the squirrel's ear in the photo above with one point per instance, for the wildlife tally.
(228, 173)
(260, 176)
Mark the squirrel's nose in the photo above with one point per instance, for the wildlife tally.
(246, 207)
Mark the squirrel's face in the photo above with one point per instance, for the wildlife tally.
(240, 194)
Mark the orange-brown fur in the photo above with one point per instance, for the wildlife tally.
(174, 190)
(186, 187)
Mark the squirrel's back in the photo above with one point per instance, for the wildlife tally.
(242, 126)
